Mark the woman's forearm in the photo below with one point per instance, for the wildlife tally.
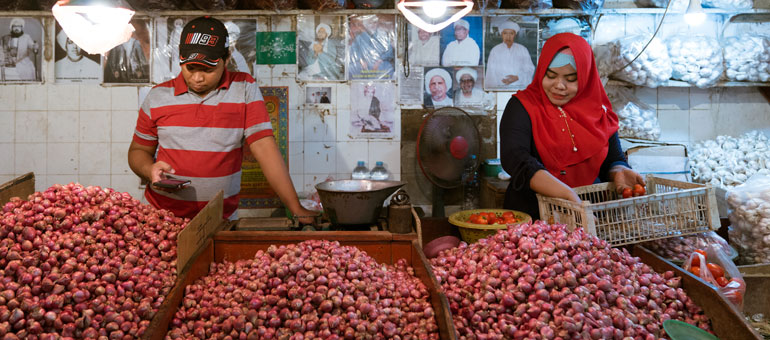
(546, 184)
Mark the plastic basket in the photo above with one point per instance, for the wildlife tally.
(472, 232)
(670, 208)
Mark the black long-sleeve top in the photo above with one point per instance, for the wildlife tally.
(520, 158)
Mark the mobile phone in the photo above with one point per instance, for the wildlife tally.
(171, 183)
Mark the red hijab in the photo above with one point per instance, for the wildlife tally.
(592, 124)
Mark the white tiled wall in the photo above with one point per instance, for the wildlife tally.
(68, 133)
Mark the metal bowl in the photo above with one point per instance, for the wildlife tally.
(355, 201)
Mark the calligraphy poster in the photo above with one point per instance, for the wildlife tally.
(256, 192)
(276, 48)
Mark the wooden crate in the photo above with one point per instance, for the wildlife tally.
(757, 297)
(236, 245)
(727, 321)
(21, 186)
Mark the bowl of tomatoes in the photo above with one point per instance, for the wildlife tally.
(479, 223)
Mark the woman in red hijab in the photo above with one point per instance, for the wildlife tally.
(560, 132)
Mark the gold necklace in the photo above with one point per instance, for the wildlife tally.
(571, 136)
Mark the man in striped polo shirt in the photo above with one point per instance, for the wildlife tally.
(196, 126)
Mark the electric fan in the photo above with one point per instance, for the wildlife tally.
(445, 143)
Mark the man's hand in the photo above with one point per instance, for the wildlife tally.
(623, 177)
(158, 172)
(305, 216)
(510, 79)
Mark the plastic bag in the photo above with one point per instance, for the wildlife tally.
(322, 5)
(695, 59)
(749, 215)
(530, 5)
(717, 269)
(747, 57)
(636, 119)
(679, 248)
(652, 68)
(728, 161)
(728, 4)
(584, 5)
(675, 6)
(574, 25)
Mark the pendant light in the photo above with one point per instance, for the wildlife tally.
(434, 10)
(96, 26)
(694, 15)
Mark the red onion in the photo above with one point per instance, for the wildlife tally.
(283, 296)
(64, 254)
(556, 284)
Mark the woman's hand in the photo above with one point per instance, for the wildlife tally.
(624, 177)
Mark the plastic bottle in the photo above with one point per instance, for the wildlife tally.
(379, 173)
(360, 172)
(470, 182)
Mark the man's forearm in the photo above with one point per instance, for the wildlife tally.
(273, 166)
(140, 161)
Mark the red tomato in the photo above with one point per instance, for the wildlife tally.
(716, 270)
(482, 219)
(722, 281)
(508, 214)
(639, 190)
(472, 218)
(627, 192)
(701, 251)
(492, 219)
(695, 271)
(510, 220)
(696, 259)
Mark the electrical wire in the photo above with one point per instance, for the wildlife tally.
(404, 34)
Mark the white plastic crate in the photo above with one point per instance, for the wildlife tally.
(670, 208)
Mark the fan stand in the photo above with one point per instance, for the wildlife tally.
(437, 202)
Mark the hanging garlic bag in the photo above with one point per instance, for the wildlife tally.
(635, 119)
(695, 59)
(747, 57)
(750, 219)
(652, 68)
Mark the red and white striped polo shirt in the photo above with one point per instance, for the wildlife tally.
(202, 138)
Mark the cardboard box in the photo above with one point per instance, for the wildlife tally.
(667, 160)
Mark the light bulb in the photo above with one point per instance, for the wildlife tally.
(694, 19)
(434, 9)
(694, 15)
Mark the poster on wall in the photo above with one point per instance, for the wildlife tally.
(511, 52)
(165, 55)
(372, 47)
(372, 109)
(321, 47)
(461, 42)
(410, 86)
(424, 47)
(276, 48)
(468, 91)
(318, 95)
(255, 190)
(74, 65)
(128, 63)
(438, 87)
(21, 55)
(243, 45)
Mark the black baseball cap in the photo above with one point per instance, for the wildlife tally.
(203, 41)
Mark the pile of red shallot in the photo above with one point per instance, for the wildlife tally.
(83, 262)
(543, 281)
(314, 289)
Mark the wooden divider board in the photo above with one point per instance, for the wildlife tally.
(21, 186)
(199, 230)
